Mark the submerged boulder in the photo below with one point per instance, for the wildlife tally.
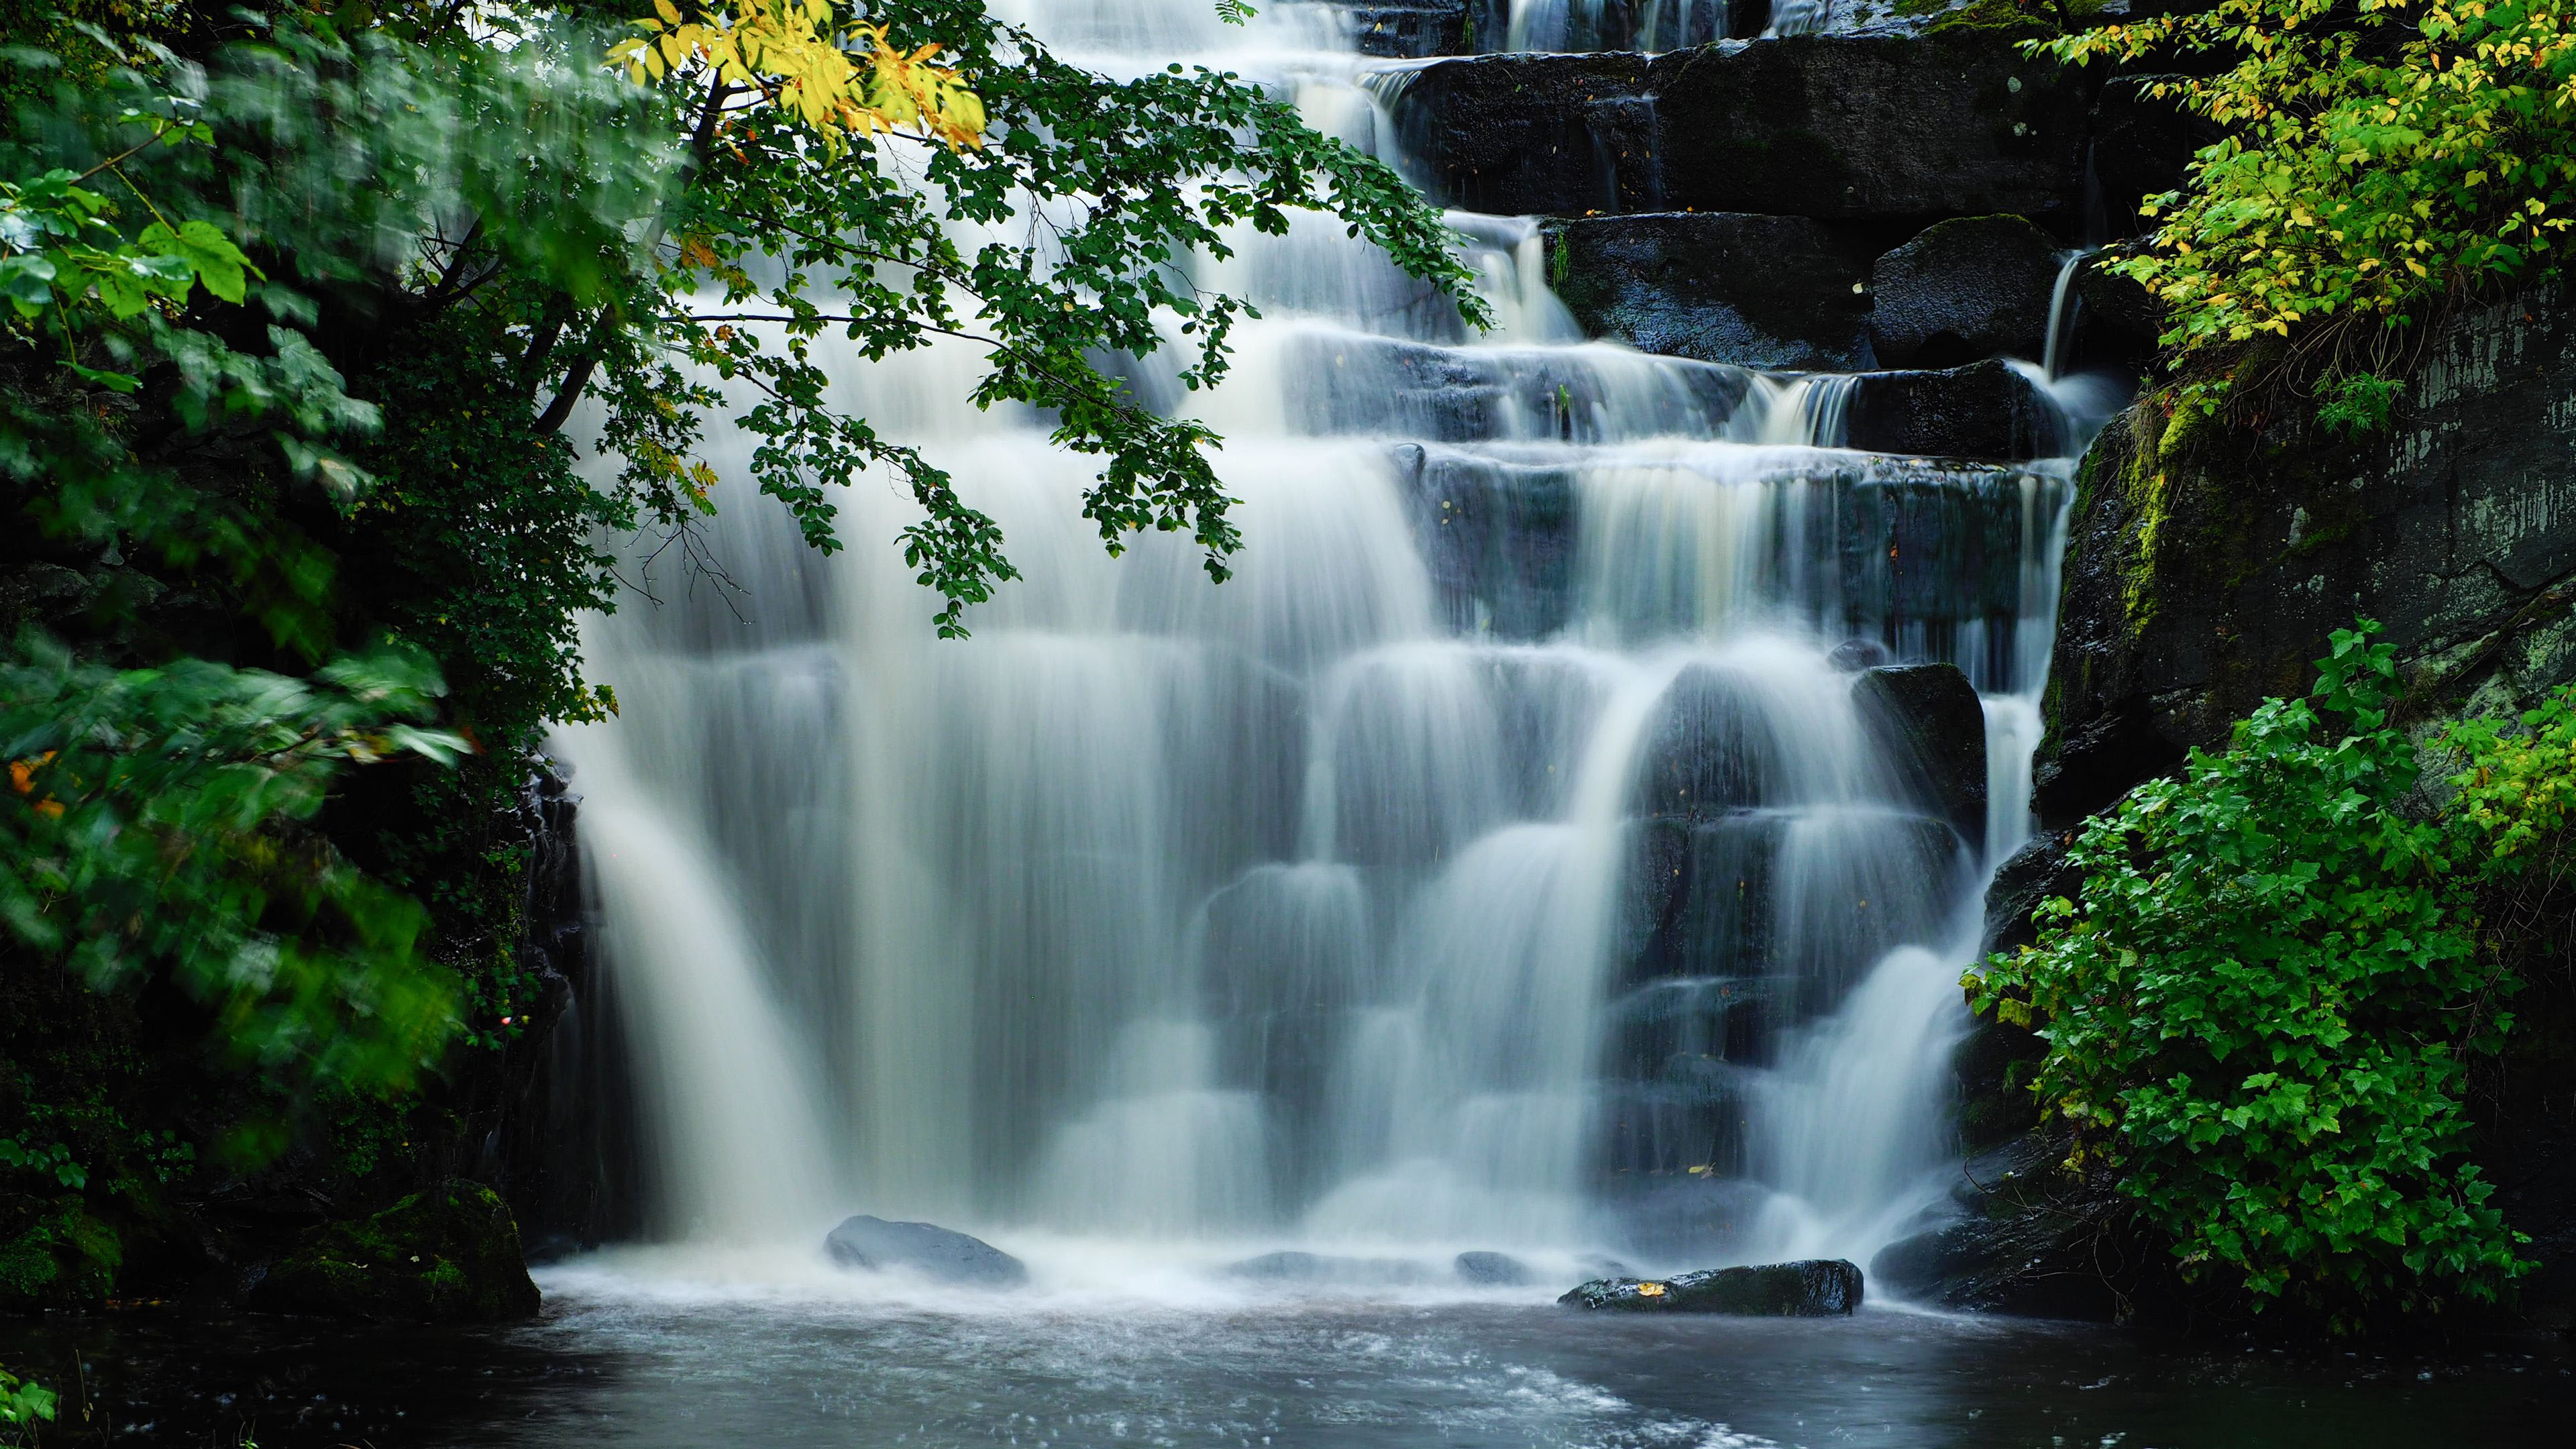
(447, 1255)
(1498, 1270)
(1813, 1288)
(866, 1242)
(1776, 292)
(1963, 291)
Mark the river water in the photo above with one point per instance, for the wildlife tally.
(632, 1354)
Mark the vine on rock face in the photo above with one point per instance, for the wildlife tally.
(2258, 1014)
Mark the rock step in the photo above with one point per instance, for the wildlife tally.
(1791, 293)
(1502, 536)
(1829, 126)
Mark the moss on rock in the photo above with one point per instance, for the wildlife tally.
(448, 1255)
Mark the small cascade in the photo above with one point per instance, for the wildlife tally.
(1518, 852)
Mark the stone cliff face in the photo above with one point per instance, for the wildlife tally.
(2206, 565)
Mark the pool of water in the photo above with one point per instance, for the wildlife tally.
(631, 1352)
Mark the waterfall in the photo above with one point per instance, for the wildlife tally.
(1503, 858)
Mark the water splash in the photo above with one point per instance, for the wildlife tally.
(1322, 907)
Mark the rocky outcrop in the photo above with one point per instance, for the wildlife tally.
(1984, 410)
(934, 1252)
(1815, 1288)
(1780, 292)
(2021, 1236)
(1831, 126)
(1928, 721)
(2191, 594)
(447, 1255)
(1966, 289)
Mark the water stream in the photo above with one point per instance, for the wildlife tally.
(1310, 910)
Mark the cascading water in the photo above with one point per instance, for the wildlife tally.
(1329, 905)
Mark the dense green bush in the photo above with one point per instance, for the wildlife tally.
(2258, 1015)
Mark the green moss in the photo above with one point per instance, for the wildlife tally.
(1989, 17)
(448, 1255)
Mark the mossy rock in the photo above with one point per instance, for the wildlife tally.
(55, 1254)
(448, 1255)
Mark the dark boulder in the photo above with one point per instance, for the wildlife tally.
(1514, 134)
(1496, 1270)
(447, 1255)
(1985, 410)
(1876, 125)
(1964, 290)
(1834, 126)
(2021, 1235)
(1928, 720)
(1777, 292)
(866, 1242)
(1814, 1288)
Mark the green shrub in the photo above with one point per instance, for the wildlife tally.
(2258, 1015)
(2377, 159)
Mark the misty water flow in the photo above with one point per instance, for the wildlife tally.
(1502, 860)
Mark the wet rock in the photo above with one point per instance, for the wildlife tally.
(2115, 318)
(1777, 292)
(1409, 32)
(1870, 125)
(1964, 290)
(1521, 134)
(1714, 750)
(1984, 410)
(1927, 718)
(869, 1242)
(1832, 126)
(1813, 1288)
(1498, 537)
(447, 1255)
(2018, 1236)
(1497, 1270)
(1854, 655)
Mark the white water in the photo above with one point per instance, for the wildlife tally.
(1167, 921)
